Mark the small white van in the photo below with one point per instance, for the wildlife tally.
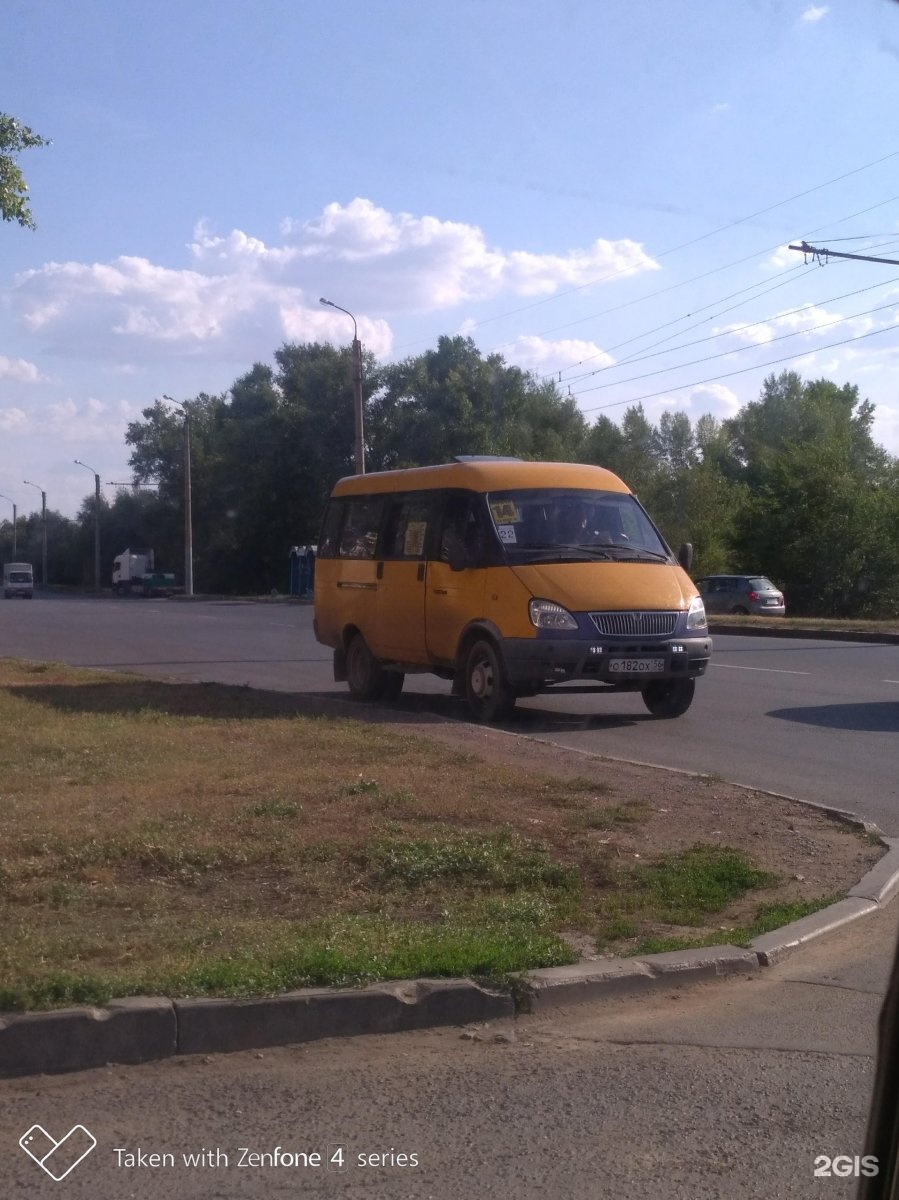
(18, 580)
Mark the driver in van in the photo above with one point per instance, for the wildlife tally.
(578, 524)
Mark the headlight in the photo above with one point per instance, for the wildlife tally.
(545, 614)
(696, 618)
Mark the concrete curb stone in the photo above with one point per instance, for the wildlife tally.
(220, 1026)
(133, 1030)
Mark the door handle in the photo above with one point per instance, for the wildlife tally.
(441, 591)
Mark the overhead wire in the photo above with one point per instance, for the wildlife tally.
(674, 249)
(741, 371)
(740, 349)
(736, 329)
(697, 278)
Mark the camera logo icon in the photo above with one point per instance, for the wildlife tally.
(57, 1158)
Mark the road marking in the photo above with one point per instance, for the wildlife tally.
(771, 670)
(889, 681)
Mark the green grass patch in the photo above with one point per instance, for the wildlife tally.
(768, 917)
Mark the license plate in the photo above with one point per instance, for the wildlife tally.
(636, 666)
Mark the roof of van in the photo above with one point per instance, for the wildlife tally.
(483, 475)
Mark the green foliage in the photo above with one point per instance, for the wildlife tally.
(14, 138)
(793, 486)
(452, 401)
(823, 503)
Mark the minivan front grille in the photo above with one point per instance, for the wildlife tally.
(635, 624)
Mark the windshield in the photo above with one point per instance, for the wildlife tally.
(19, 577)
(577, 525)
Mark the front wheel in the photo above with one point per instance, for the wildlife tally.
(669, 697)
(364, 676)
(489, 696)
(393, 684)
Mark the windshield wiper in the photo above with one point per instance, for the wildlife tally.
(636, 551)
(561, 549)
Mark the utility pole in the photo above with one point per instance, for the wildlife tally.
(188, 503)
(822, 255)
(359, 441)
(43, 530)
(96, 474)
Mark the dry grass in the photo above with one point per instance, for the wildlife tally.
(192, 838)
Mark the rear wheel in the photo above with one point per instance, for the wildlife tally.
(489, 696)
(739, 611)
(364, 675)
(669, 697)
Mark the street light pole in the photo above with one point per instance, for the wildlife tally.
(359, 442)
(188, 506)
(96, 476)
(43, 530)
(15, 512)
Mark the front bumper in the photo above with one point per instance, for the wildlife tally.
(534, 664)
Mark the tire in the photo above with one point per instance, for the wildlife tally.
(488, 693)
(739, 611)
(393, 684)
(365, 678)
(667, 698)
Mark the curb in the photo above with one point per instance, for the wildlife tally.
(148, 1028)
(821, 635)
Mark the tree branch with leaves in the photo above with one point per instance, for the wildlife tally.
(14, 138)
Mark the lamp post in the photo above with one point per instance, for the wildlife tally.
(358, 444)
(14, 516)
(188, 507)
(43, 530)
(79, 463)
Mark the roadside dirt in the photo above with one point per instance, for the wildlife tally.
(812, 854)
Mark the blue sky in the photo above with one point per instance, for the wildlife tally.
(598, 191)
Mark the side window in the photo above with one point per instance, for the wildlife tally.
(330, 531)
(359, 533)
(409, 520)
(466, 525)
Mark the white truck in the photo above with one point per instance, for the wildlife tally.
(18, 580)
(135, 571)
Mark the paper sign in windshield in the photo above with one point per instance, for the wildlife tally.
(505, 512)
(507, 534)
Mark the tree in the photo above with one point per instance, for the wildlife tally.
(821, 515)
(452, 401)
(14, 138)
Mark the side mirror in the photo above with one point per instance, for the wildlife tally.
(685, 555)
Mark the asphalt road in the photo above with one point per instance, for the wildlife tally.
(812, 719)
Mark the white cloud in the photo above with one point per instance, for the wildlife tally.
(541, 356)
(814, 13)
(782, 257)
(240, 297)
(809, 319)
(714, 398)
(19, 369)
(13, 420)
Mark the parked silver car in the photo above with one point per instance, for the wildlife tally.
(741, 594)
